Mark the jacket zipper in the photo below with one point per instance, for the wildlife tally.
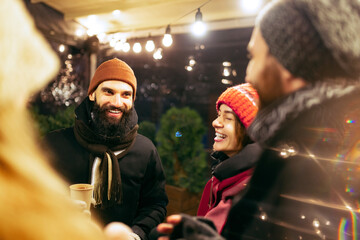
(211, 191)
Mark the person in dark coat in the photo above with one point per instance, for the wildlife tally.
(305, 66)
(235, 154)
(104, 149)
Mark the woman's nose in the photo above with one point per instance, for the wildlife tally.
(216, 123)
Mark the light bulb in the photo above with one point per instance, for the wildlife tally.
(137, 47)
(61, 48)
(167, 40)
(158, 54)
(150, 46)
(126, 47)
(199, 27)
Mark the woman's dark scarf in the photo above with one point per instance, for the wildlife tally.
(107, 189)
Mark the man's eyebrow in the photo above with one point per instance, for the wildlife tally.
(106, 89)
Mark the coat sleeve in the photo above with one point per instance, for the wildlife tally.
(153, 199)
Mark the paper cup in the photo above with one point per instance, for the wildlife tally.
(82, 192)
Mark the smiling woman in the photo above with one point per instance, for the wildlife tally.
(234, 153)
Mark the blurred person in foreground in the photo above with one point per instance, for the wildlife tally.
(34, 200)
(234, 153)
(305, 66)
(103, 148)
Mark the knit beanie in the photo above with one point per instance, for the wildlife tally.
(313, 39)
(242, 100)
(113, 69)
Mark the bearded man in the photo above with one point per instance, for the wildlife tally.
(103, 148)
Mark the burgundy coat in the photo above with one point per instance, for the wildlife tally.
(230, 177)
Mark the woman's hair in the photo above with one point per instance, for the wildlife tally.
(34, 201)
(241, 134)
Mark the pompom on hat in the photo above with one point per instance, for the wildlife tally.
(313, 39)
(242, 99)
(113, 69)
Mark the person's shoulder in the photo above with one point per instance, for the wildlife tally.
(145, 141)
(60, 133)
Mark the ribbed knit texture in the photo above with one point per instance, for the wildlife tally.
(242, 100)
(113, 69)
(313, 39)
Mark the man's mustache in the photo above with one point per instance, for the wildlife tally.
(111, 107)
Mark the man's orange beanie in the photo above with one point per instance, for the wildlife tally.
(113, 69)
(242, 99)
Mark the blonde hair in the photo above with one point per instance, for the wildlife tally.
(34, 202)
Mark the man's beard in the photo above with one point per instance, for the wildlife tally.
(107, 126)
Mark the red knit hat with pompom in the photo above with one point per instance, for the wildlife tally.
(242, 99)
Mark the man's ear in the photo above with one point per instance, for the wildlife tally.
(290, 82)
(92, 96)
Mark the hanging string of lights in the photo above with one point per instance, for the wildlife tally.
(120, 43)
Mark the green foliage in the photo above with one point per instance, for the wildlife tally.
(47, 123)
(148, 129)
(181, 150)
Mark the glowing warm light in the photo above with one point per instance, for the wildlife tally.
(234, 73)
(94, 30)
(112, 42)
(198, 28)
(150, 46)
(92, 19)
(226, 64)
(61, 48)
(158, 54)
(80, 32)
(137, 47)
(263, 216)
(189, 68)
(116, 13)
(251, 6)
(192, 62)
(126, 47)
(226, 81)
(316, 223)
(226, 72)
(101, 37)
(167, 40)
(118, 46)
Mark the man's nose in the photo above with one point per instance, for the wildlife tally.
(117, 100)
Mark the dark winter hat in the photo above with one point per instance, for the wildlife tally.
(313, 39)
(242, 100)
(113, 69)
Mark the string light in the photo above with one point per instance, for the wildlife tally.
(137, 47)
(126, 47)
(61, 48)
(198, 28)
(150, 45)
(158, 54)
(167, 40)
